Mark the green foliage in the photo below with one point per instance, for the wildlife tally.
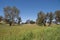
(41, 18)
(32, 22)
(1, 18)
(11, 13)
(50, 18)
(57, 15)
(19, 20)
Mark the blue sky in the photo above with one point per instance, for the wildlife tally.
(30, 8)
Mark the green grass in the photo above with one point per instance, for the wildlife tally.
(29, 32)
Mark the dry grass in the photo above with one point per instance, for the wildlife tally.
(29, 32)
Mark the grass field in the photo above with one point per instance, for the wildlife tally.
(29, 32)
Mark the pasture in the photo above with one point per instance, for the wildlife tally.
(29, 32)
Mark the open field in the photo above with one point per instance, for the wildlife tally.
(29, 32)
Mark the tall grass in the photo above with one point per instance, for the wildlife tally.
(29, 32)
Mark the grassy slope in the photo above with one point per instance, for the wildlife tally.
(29, 32)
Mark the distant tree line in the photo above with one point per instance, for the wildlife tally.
(43, 17)
(30, 22)
(10, 13)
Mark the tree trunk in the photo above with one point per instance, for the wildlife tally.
(50, 22)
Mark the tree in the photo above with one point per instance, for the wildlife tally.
(7, 11)
(32, 22)
(14, 13)
(50, 18)
(27, 21)
(1, 18)
(57, 16)
(41, 19)
(19, 20)
(11, 13)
